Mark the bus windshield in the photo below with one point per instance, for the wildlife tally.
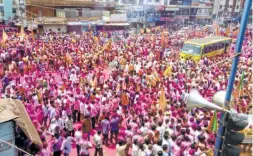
(191, 49)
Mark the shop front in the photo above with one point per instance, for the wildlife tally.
(160, 18)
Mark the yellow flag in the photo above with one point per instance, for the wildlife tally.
(148, 30)
(22, 30)
(217, 30)
(22, 33)
(168, 71)
(227, 31)
(107, 46)
(95, 38)
(162, 99)
(162, 40)
(73, 40)
(4, 37)
(142, 31)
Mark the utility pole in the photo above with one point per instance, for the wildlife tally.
(224, 117)
(218, 9)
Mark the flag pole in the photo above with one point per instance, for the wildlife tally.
(243, 25)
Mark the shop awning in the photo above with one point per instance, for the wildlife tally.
(203, 17)
(75, 23)
(11, 109)
(51, 20)
(116, 24)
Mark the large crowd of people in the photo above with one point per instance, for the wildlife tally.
(80, 97)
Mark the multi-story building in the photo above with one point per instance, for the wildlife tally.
(168, 12)
(138, 13)
(227, 8)
(56, 14)
(6, 10)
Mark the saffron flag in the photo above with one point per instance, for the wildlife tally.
(168, 71)
(162, 99)
(162, 40)
(124, 99)
(22, 31)
(212, 127)
(142, 31)
(4, 38)
(228, 31)
(209, 152)
(95, 38)
(148, 30)
(238, 90)
(217, 30)
(107, 46)
(22, 34)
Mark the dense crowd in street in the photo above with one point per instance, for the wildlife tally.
(86, 92)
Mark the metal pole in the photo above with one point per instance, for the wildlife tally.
(239, 42)
(217, 12)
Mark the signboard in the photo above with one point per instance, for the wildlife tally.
(203, 12)
(247, 139)
(160, 8)
(160, 16)
(136, 14)
(118, 18)
(186, 2)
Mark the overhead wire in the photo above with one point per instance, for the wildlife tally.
(14, 146)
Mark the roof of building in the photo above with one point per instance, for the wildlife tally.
(208, 40)
(11, 109)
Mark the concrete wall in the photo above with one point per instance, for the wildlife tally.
(47, 12)
(55, 27)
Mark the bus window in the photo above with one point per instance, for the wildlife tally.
(191, 49)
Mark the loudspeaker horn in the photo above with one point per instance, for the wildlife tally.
(195, 100)
(219, 98)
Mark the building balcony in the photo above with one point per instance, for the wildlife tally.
(70, 3)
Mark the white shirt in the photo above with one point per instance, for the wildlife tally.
(59, 123)
(157, 148)
(66, 145)
(78, 137)
(52, 113)
(97, 141)
(84, 147)
(141, 153)
(135, 150)
(72, 77)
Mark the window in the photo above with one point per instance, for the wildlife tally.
(157, 1)
(14, 10)
(79, 12)
(221, 6)
(1, 1)
(237, 7)
(213, 47)
(191, 49)
(60, 13)
(40, 13)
